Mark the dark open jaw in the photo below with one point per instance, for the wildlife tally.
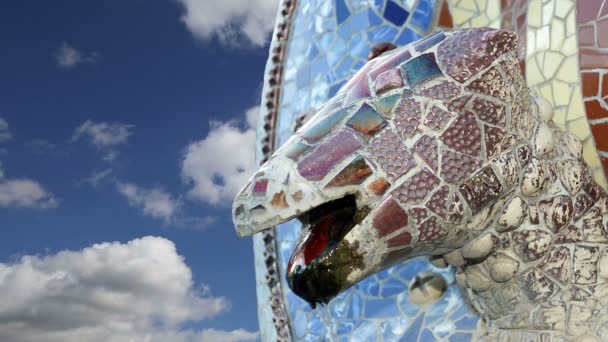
(317, 268)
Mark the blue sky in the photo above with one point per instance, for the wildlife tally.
(117, 122)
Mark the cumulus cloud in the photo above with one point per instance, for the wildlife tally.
(218, 166)
(231, 21)
(252, 115)
(68, 57)
(212, 335)
(21, 193)
(25, 193)
(97, 177)
(5, 134)
(137, 291)
(155, 202)
(105, 136)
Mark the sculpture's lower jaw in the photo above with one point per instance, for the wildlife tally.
(327, 276)
(320, 264)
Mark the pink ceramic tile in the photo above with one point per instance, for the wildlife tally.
(591, 59)
(602, 33)
(587, 10)
(586, 35)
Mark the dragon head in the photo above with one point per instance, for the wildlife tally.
(410, 158)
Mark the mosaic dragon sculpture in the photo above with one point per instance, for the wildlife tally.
(438, 149)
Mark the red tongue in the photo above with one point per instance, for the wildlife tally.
(313, 243)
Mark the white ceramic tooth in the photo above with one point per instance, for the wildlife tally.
(545, 109)
(479, 248)
(544, 143)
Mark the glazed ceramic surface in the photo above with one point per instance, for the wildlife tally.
(342, 34)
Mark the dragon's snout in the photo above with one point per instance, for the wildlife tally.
(398, 163)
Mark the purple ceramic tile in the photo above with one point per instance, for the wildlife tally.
(390, 79)
(319, 162)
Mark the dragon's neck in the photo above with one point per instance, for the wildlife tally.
(538, 268)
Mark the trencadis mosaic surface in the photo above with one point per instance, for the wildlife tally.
(315, 87)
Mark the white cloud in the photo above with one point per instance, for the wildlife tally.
(68, 57)
(21, 193)
(219, 165)
(252, 115)
(212, 335)
(25, 193)
(97, 177)
(137, 291)
(154, 202)
(5, 134)
(105, 136)
(230, 20)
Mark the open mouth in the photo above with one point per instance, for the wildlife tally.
(316, 268)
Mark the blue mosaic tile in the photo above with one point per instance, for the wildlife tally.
(342, 12)
(316, 327)
(427, 336)
(359, 47)
(359, 63)
(430, 41)
(299, 322)
(450, 300)
(468, 322)
(344, 31)
(463, 310)
(303, 77)
(415, 266)
(374, 19)
(395, 13)
(366, 122)
(359, 22)
(334, 89)
(379, 4)
(407, 36)
(344, 67)
(370, 287)
(336, 52)
(392, 287)
(312, 338)
(355, 307)
(393, 329)
(461, 337)
(414, 330)
(339, 307)
(367, 331)
(325, 41)
(443, 328)
(386, 104)
(382, 33)
(319, 68)
(380, 308)
(423, 14)
(420, 69)
(344, 328)
(311, 52)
